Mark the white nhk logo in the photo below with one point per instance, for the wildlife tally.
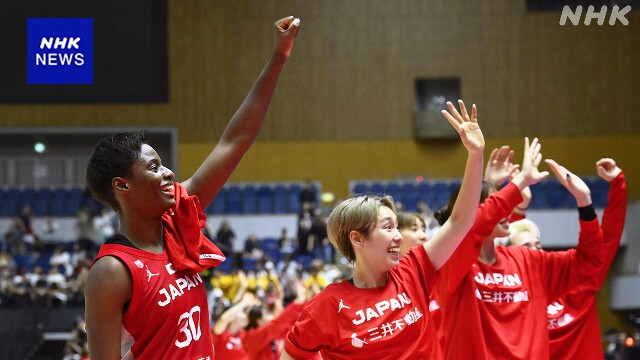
(55, 59)
(617, 14)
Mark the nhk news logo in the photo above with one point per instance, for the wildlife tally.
(59, 51)
(617, 14)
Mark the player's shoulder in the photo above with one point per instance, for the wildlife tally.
(108, 266)
(329, 295)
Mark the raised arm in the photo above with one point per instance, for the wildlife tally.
(614, 214)
(246, 123)
(454, 230)
(258, 338)
(588, 258)
(531, 159)
(501, 168)
(571, 182)
(489, 214)
(227, 317)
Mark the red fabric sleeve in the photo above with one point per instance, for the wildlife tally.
(305, 330)
(562, 271)
(613, 223)
(257, 339)
(495, 208)
(516, 217)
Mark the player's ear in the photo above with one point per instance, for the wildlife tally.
(120, 185)
(356, 238)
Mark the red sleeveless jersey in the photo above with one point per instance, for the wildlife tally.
(168, 316)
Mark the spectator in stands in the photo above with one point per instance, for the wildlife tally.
(76, 348)
(331, 273)
(127, 174)
(252, 247)
(6, 279)
(285, 242)
(85, 230)
(342, 320)
(305, 220)
(79, 256)
(225, 238)
(49, 231)
(61, 257)
(15, 236)
(26, 215)
(7, 262)
(19, 290)
(307, 196)
(105, 225)
(232, 285)
(77, 283)
(315, 281)
(31, 240)
(56, 277)
(40, 290)
(218, 303)
(288, 270)
(322, 248)
(425, 212)
(36, 275)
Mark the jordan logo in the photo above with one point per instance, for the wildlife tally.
(150, 274)
(357, 342)
(343, 306)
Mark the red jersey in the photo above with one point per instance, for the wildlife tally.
(574, 330)
(386, 322)
(495, 208)
(258, 343)
(168, 316)
(499, 311)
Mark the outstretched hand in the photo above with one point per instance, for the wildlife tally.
(607, 169)
(571, 182)
(500, 166)
(529, 173)
(286, 30)
(466, 126)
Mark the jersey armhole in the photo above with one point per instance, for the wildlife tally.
(128, 302)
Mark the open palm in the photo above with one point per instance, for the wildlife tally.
(467, 127)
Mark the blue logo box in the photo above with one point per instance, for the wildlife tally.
(59, 51)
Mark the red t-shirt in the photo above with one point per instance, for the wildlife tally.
(499, 311)
(168, 316)
(386, 322)
(495, 208)
(574, 330)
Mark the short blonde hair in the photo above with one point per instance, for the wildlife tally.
(524, 225)
(359, 214)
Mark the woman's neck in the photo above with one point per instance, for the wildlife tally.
(144, 233)
(488, 251)
(368, 279)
